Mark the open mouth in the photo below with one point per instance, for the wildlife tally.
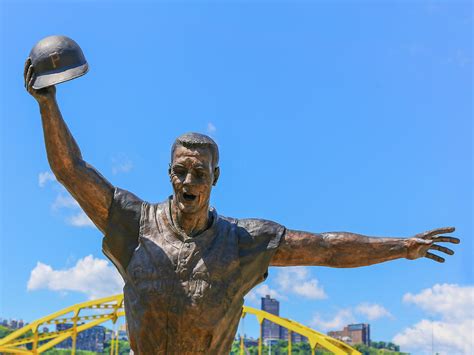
(188, 196)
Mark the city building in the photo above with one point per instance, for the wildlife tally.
(109, 334)
(295, 337)
(66, 344)
(353, 334)
(91, 339)
(248, 342)
(272, 332)
(13, 323)
(122, 332)
(122, 335)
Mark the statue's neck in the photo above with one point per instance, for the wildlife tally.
(190, 223)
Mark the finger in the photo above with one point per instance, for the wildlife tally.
(445, 239)
(439, 231)
(443, 249)
(434, 257)
(29, 74)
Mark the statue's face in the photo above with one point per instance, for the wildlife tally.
(192, 175)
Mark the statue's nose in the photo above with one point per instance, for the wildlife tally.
(189, 180)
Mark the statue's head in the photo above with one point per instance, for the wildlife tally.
(193, 171)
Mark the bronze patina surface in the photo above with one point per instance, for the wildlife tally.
(186, 268)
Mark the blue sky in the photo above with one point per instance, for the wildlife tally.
(350, 116)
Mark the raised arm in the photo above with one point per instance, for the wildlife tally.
(344, 250)
(90, 189)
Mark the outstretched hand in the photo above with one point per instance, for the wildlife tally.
(420, 244)
(40, 95)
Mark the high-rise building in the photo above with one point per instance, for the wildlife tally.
(353, 334)
(295, 337)
(271, 331)
(91, 339)
(65, 344)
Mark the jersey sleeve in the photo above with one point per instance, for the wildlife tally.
(123, 228)
(258, 241)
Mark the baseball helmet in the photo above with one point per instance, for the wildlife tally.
(57, 59)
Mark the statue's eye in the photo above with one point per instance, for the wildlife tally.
(179, 171)
(201, 173)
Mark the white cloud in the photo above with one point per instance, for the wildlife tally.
(450, 301)
(373, 311)
(296, 280)
(80, 220)
(310, 289)
(346, 316)
(261, 291)
(211, 128)
(92, 276)
(45, 177)
(121, 164)
(342, 318)
(290, 280)
(64, 201)
(453, 333)
(444, 338)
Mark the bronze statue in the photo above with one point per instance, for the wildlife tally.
(186, 268)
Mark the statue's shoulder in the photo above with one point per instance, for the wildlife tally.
(125, 197)
(251, 226)
(227, 220)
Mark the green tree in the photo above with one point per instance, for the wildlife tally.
(124, 347)
(4, 331)
(67, 352)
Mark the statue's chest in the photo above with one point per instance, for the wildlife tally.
(184, 276)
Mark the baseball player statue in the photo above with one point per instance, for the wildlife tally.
(186, 268)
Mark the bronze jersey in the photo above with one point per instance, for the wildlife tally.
(184, 295)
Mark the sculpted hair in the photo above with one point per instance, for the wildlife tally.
(197, 140)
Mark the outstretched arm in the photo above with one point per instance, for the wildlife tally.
(90, 189)
(344, 250)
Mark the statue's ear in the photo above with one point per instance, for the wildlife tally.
(217, 172)
(169, 169)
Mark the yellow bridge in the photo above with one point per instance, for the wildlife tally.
(82, 316)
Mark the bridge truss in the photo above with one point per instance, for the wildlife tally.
(32, 340)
